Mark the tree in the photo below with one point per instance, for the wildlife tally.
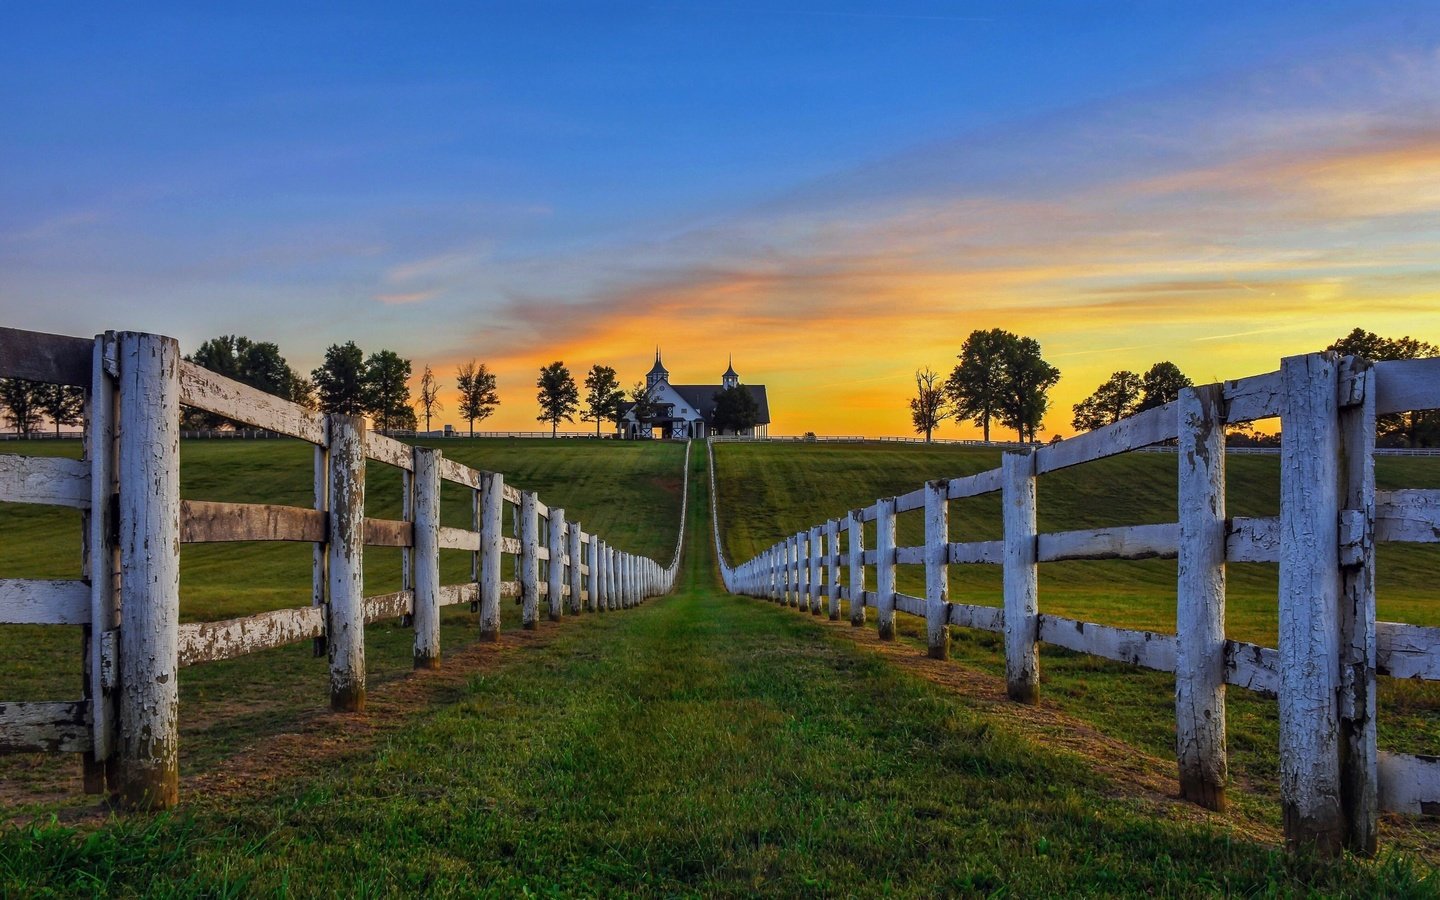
(603, 396)
(478, 397)
(1028, 380)
(387, 391)
(63, 403)
(22, 400)
(1117, 398)
(558, 397)
(735, 409)
(302, 390)
(430, 396)
(340, 379)
(641, 405)
(1162, 384)
(927, 407)
(976, 387)
(1414, 429)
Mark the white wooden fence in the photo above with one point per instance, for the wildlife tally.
(1334, 781)
(128, 599)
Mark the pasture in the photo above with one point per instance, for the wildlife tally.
(700, 744)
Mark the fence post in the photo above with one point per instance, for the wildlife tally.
(832, 565)
(817, 551)
(885, 567)
(529, 561)
(149, 514)
(856, 530)
(1022, 652)
(797, 583)
(555, 572)
(101, 565)
(1200, 599)
(1310, 604)
(577, 577)
(492, 511)
(425, 616)
(937, 568)
(592, 600)
(345, 621)
(1359, 757)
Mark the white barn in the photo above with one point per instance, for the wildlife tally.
(687, 410)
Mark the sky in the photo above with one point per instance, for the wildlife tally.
(836, 193)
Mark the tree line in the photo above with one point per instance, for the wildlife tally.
(1002, 377)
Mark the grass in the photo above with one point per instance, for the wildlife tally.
(698, 745)
(769, 491)
(629, 492)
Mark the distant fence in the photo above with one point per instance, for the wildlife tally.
(128, 599)
(1334, 781)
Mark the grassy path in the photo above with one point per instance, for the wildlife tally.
(700, 744)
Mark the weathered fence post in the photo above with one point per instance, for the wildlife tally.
(149, 514)
(817, 552)
(592, 600)
(856, 540)
(797, 566)
(555, 571)
(885, 567)
(832, 566)
(345, 619)
(1310, 604)
(772, 574)
(1022, 652)
(1359, 756)
(577, 576)
(492, 503)
(1200, 599)
(426, 610)
(101, 565)
(529, 561)
(937, 568)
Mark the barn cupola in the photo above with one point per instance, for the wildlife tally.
(730, 379)
(657, 372)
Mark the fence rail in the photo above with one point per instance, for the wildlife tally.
(1334, 780)
(126, 725)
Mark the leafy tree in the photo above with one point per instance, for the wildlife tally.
(603, 396)
(387, 391)
(430, 396)
(478, 397)
(1414, 429)
(558, 397)
(977, 385)
(302, 390)
(1162, 384)
(1117, 398)
(22, 401)
(1028, 380)
(340, 380)
(735, 409)
(64, 404)
(641, 404)
(927, 407)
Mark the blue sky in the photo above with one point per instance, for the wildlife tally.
(517, 182)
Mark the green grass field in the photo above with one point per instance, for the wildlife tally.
(699, 745)
(767, 492)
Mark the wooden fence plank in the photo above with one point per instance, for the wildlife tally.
(389, 533)
(985, 482)
(1407, 651)
(45, 727)
(45, 480)
(967, 552)
(458, 539)
(1021, 583)
(387, 450)
(201, 642)
(204, 521)
(459, 473)
(985, 618)
(1256, 397)
(1407, 384)
(1253, 540)
(1138, 648)
(202, 389)
(1140, 430)
(1411, 516)
(1409, 784)
(25, 601)
(51, 358)
(1253, 667)
(452, 594)
(1123, 542)
(396, 605)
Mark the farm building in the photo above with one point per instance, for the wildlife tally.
(688, 410)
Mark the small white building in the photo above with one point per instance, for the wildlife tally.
(687, 410)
